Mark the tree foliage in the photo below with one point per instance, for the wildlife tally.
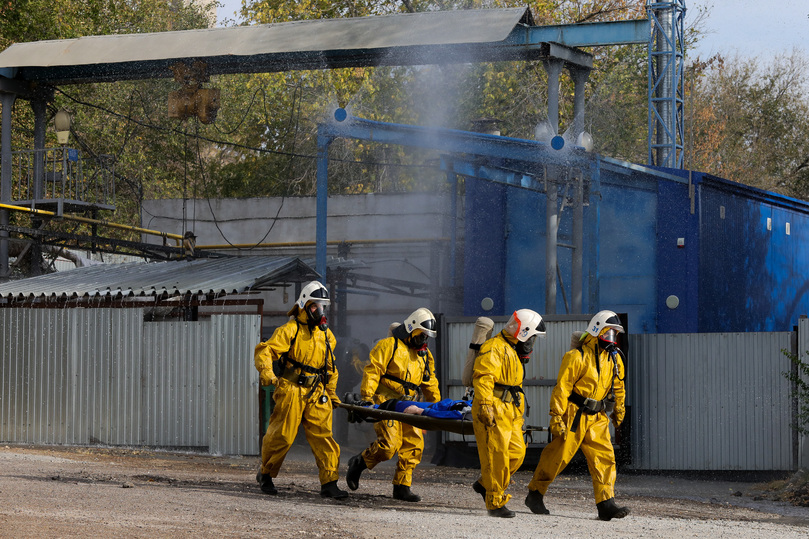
(744, 122)
(799, 376)
(749, 121)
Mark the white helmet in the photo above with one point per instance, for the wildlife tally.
(524, 324)
(602, 320)
(313, 291)
(421, 319)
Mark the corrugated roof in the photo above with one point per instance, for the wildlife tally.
(219, 276)
(309, 44)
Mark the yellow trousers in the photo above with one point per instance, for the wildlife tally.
(501, 450)
(291, 410)
(395, 437)
(593, 437)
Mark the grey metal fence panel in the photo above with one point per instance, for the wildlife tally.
(234, 385)
(802, 350)
(85, 376)
(710, 401)
(176, 362)
(540, 372)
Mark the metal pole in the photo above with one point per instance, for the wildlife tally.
(7, 101)
(39, 106)
(553, 67)
(323, 143)
(552, 228)
(578, 244)
(580, 77)
(452, 179)
(665, 48)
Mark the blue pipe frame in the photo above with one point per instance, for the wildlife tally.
(528, 157)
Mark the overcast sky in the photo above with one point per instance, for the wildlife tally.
(749, 27)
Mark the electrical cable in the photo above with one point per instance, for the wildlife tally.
(236, 144)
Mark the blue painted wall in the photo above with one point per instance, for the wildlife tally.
(752, 275)
(730, 274)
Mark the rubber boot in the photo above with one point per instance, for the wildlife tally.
(356, 465)
(330, 490)
(502, 512)
(480, 489)
(265, 483)
(607, 510)
(535, 503)
(403, 492)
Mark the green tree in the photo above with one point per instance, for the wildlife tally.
(126, 120)
(748, 121)
(799, 377)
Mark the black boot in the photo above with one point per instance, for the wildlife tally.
(403, 492)
(265, 483)
(356, 465)
(607, 510)
(502, 512)
(330, 490)
(480, 489)
(535, 503)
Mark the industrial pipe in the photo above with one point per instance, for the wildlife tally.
(176, 237)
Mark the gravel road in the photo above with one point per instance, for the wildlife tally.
(81, 492)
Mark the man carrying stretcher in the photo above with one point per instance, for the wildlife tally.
(402, 368)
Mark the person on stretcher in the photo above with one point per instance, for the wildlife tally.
(443, 409)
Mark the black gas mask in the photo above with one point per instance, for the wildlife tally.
(316, 316)
(525, 348)
(608, 340)
(418, 342)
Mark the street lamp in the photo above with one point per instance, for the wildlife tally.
(61, 122)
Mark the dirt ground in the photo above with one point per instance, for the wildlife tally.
(88, 492)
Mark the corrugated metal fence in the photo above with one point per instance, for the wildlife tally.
(104, 376)
(711, 401)
(707, 401)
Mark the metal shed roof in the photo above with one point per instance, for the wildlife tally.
(218, 276)
(401, 39)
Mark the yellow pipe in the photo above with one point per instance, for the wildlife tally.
(176, 237)
(218, 247)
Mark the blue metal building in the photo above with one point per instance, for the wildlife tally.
(678, 251)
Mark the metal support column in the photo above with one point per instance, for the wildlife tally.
(551, 234)
(40, 107)
(576, 273)
(7, 101)
(580, 77)
(452, 180)
(666, 81)
(323, 143)
(553, 67)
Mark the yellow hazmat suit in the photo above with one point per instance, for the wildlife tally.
(296, 405)
(501, 447)
(592, 434)
(394, 437)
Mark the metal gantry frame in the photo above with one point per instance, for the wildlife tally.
(240, 50)
(666, 83)
(532, 160)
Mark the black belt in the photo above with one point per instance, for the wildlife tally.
(508, 393)
(409, 386)
(586, 406)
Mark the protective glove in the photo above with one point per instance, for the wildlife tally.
(616, 421)
(486, 414)
(557, 427)
(267, 379)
